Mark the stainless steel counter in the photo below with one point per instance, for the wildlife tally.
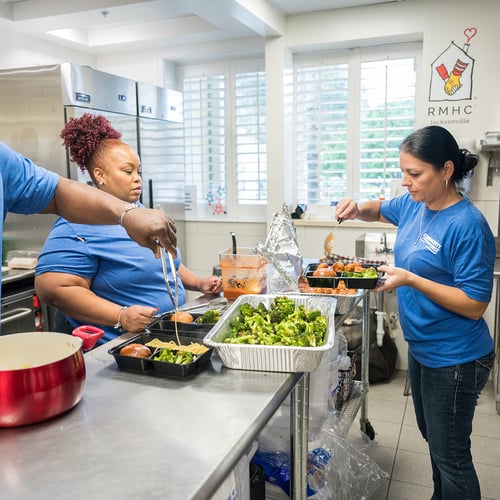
(138, 436)
(10, 275)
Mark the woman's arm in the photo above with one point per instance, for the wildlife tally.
(449, 297)
(83, 204)
(72, 295)
(368, 211)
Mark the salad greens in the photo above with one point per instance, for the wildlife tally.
(284, 323)
(369, 272)
(178, 357)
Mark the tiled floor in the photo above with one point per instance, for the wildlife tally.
(400, 451)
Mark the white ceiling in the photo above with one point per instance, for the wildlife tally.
(104, 26)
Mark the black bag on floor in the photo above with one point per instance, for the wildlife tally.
(382, 359)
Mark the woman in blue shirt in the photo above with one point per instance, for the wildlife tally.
(444, 258)
(96, 274)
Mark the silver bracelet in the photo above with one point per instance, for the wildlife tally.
(119, 323)
(128, 207)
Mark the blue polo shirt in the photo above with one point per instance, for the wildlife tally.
(120, 270)
(456, 248)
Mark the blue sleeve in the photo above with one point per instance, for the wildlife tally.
(472, 255)
(394, 209)
(27, 188)
(65, 251)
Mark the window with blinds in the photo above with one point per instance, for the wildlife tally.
(250, 121)
(321, 118)
(225, 137)
(351, 114)
(205, 138)
(387, 116)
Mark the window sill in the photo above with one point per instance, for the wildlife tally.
(224, 219)
(326, 222)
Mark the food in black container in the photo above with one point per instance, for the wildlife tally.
(201, 324)
(319, 276)
(154, 365)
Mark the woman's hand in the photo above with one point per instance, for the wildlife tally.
(148, 227)
(136, 318)
(211, 284)
(394, 278)
(346, 209)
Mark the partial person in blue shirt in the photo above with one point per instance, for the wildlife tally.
(444, 259)
(26, 188)
(96, 275)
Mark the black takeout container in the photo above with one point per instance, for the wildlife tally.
(333, 281)
(164, 325)
(150, 366)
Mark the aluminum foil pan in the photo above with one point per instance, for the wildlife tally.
(345, 303)
(266, 357)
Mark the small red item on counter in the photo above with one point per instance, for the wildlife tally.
(89, 334)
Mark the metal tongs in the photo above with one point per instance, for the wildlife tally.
(173, 294)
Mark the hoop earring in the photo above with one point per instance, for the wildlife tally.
(445, 183)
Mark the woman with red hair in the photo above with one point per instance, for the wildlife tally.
(95, 274)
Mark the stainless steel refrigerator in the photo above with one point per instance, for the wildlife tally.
(35, 103)
(161, 148)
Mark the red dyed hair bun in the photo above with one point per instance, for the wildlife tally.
(82, 137)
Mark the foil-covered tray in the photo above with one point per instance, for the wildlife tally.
(344, 302)
(273, 358)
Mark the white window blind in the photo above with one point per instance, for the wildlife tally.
(321, 118)
(225, 136)
(387, 116)
(204, 137)
(352, 112)
(251, 158)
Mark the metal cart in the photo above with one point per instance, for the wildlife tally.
(299, 414)
(358, 397)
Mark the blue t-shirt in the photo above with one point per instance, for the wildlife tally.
(456, 248)
(120, 270)
(25, 187)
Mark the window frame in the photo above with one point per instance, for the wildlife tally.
(354, 58)
(228, 68)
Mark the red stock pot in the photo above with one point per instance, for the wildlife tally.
(42, 374)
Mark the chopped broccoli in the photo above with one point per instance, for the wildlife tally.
(177, 357)
(283, 324)
(211, 316)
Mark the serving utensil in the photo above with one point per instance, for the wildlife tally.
(173, 293)
(235, 247)
(337, 222)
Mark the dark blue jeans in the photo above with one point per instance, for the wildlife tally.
(444, 401)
